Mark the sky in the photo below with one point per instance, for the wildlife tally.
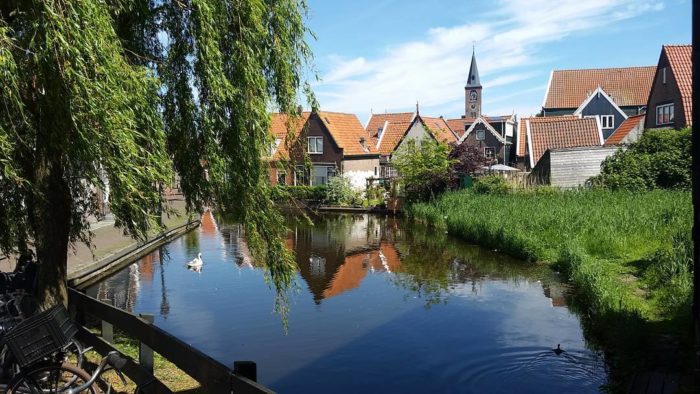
(387, 55)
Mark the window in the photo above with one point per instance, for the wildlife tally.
(281, 177)
(607, 121)
(489, 152)
(301, 176)
(379, 132)
(480, 135)
(376, 171)
(664, 114)
(315, 145)
(274, 145)
(663, 75)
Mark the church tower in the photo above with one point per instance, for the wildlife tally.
(472, 92)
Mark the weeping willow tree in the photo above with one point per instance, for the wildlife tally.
(123, 92)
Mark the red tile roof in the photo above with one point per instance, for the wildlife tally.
(522, 130)
(347, 132)
(345, 129)
(680, 60)
(561, 132)
(625, 128)
(396, 127)
(281, 127)
(440, 129)
(628, 86)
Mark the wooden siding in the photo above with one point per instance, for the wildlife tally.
(665, 93)
(331, 152)
(600, 105)
(490, 141)
(568, 168)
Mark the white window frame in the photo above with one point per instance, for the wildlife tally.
(492, 149)
(315, 140)
(665, 110)
(483, 135)
(281, 172)
(607, 121)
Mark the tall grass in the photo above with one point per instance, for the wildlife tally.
(628, 255)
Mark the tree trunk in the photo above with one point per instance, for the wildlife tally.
(53, 216)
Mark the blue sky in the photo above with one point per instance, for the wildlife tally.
(384, 55)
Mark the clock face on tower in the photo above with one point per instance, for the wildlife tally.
(472, 95)
(473, 107)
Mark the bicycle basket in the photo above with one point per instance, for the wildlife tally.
(40, 335)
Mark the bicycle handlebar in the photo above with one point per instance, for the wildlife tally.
(114, 359)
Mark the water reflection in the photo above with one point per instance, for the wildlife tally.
(404, 307)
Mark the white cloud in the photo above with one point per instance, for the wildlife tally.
(432, 70)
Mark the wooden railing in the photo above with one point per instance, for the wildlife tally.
(213, 376)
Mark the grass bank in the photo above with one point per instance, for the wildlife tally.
(628, 256)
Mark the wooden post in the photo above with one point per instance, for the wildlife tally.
(107, 331)
(247, 369)
(145, 352)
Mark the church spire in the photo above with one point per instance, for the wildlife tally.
(473, 79)
(472, 91)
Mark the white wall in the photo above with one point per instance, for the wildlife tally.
(417, 133)
(359, 170)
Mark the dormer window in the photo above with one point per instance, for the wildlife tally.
(379, 131)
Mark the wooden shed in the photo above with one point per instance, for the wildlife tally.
(570, 167)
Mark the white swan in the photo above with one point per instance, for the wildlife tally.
(196, 262)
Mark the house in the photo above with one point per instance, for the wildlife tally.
(539, 134)
(489, 141)
(570, 167)
(423, 129)
(610, 94)
(670, 100)
(629, 131)
(474, 121)
(389, 131)
(336, 143)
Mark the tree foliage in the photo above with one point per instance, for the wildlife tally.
(423, 168)
(125, 91)
(661, 159)
(467, 161)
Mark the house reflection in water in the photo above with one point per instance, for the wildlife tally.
(336, 254)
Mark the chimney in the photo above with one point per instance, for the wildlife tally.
(300, 109)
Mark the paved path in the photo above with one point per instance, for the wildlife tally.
(108, 240)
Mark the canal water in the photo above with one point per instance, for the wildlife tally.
(381, 306)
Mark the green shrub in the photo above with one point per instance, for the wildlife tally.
(303, 193)
(339, 191)
(661, 159)
(491, 184)
(424, 169)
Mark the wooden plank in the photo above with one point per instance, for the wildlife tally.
(241, 385)
(107, 331)
(211, 374)
(146, 381)
(145, 352)
(656, 383)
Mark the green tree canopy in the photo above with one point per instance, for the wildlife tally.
(661, 159)
(423, 168)
(125, 91)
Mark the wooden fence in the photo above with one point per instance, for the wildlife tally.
(213, 376)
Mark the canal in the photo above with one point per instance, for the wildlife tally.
(381, 305)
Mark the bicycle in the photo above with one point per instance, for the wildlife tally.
(66, 378)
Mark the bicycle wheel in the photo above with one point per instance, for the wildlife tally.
(73, 353)
(50, 379)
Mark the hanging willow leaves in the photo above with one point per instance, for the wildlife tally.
(120, 93)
